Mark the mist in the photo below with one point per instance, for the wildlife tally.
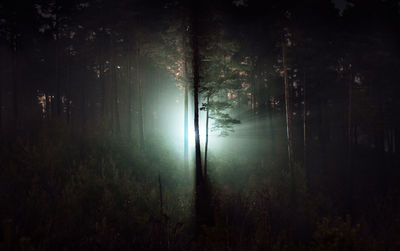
(199, 125)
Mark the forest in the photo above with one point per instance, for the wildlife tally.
(199, 125)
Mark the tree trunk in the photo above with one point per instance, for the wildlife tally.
(349, 123)
(186, 103)
(161, 196)
(206, 146)
(272, 127)
(102, 79)
(116, 99)
(57, 70)
(288, 108)
(83, 104)
(196, 83)
(139, 91)
(129, 76)
(186, 129)
(380, 144)
(199, 183)
(396, 140)
(305, 129)
(253, 89)
(15, 79)
(68, 88)
(111, 95)
(58, 91)
(2, 78)
(349, 172)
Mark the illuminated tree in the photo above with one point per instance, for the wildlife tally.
(220, 88)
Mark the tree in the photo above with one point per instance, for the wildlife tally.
(220, 87)
(196, 84)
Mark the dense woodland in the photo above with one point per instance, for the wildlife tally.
(199, 125)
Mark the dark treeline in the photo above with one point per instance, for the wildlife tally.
(199, 125)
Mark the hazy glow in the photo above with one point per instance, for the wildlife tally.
(171, 118)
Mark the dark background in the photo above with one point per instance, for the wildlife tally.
(303, 109)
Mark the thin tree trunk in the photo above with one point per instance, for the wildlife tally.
(83, 101)
(186, 128)
(116, 100)
(161, 196)
(271, 125)
(57, 72)
(196, 83)
(114, 84)
(253, 89)
(129, 76)
(199, 184)
(349, 123)
(140, 106)
(349, 172)
(102, 80)
(206, 146)
(58, 91)
(111, 95)
(15, 79)
(2, 75)
(48, 107)
(305, 129)
(68, 88)
(1, 110)
(380, 144)
(288, 109)
(186, 103)
(163, 234)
